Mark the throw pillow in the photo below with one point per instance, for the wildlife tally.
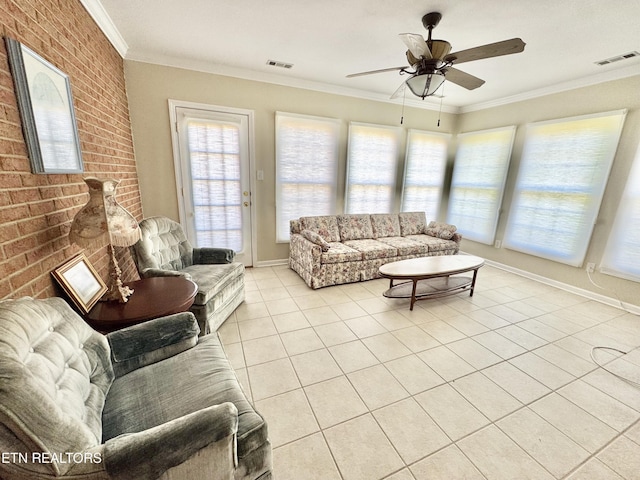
(441, 230)
(317, 239)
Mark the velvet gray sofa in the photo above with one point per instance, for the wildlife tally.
(163, 250)
(336, 249)
(149, 401)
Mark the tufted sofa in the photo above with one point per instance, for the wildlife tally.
(146, 402)
(337, 249)
(163, 250)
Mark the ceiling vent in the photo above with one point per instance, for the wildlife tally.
(275, 63)
(617, 58)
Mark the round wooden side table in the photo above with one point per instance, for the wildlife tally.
(152, 298)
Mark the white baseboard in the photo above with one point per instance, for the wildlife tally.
(614, 302)
(272, 263)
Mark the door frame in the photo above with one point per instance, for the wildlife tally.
(175, 145)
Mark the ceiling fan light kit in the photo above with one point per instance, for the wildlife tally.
(432, 63)
(426, 84)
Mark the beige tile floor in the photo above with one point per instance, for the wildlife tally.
(500, 385)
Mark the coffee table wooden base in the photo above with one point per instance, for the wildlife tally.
(431, 288)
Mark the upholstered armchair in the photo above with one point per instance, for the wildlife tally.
(152, 401)
(164, 250)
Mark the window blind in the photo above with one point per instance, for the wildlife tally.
(477, 186)
(426, 160)
(306, 168)
(214, 152)
(622, 253)
(371, 170)
(564, 169)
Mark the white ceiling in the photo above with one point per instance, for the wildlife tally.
(328, 39)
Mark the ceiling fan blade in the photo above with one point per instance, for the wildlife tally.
(370, 72)
(416, 45)
(463, 79)
(399, 91)
(506, 47)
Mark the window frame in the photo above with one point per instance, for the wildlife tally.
(446, 137)
(396, 134)
(489, 236)
(628, 207)
(336, 125)
(595, 192)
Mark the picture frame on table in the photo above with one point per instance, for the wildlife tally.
(81, 282)
(46, 109)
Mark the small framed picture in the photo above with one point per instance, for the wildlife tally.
(46, 108)
(81, 282)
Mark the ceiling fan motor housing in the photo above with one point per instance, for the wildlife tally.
(431, 20)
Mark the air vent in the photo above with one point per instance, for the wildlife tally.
(275, 63)
(617, 58)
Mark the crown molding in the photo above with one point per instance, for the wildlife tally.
(620, 73)
(246, 74)
(104, 22)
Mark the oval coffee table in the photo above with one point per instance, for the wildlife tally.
(431, 277)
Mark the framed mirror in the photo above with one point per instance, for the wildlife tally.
(46, 109)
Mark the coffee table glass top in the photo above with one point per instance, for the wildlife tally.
(415, 267)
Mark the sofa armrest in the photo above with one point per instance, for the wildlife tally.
(209, 255)
(148, 454)
(305, 252)
(149, 342)
(159, 272)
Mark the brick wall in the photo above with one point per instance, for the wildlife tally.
(36, 210)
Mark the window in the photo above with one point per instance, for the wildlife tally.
(622, 254)
(372, 166)
(306, 168)
(479, 174)
(424, 172)
(563, 172)
(214, 150)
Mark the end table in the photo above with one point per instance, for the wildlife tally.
(152, 298)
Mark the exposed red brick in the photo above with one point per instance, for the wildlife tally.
(36, 210)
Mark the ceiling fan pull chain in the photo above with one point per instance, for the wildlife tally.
(404, 96)
(441, 97)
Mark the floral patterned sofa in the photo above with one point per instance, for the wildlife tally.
(337, 249)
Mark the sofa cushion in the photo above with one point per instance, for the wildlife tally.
(412, 223)
(326, 226)
(200, 377)
(440, 230)
(372, 249)
(314, 237)
(434, 244)
(355, 227)
(56, 372)
(385, 225)
(213, 278)
(405, 245)
(340, 253)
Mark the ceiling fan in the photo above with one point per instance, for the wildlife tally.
(430, 62)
